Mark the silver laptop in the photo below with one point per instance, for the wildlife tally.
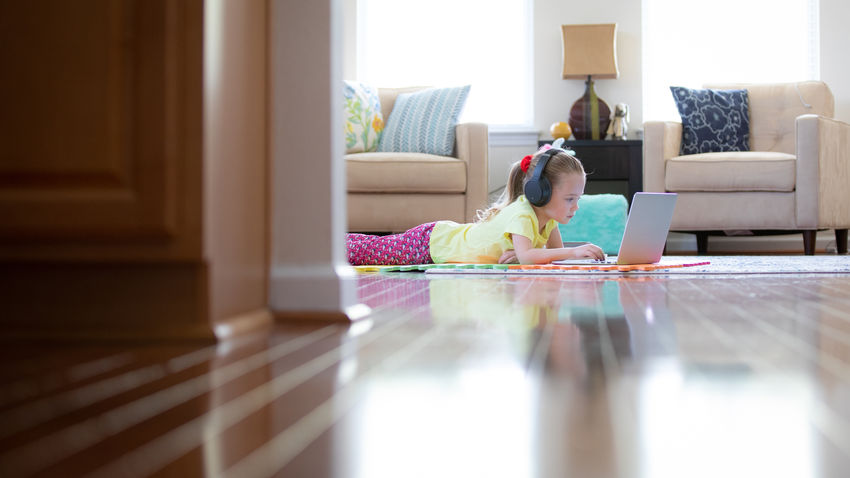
(646, 231)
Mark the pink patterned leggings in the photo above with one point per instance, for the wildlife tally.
(406, 248)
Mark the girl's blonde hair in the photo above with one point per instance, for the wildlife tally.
(559, 165)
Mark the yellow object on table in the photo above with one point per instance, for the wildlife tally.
(560, 129)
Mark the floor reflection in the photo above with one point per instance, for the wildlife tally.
(519, 389)
(514, 376)
(534, 311)
(613, 376)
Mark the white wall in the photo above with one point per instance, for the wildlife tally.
(554, 96)
(309, 270)
(834, 67)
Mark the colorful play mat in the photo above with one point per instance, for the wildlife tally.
(527, 269)
(818, 264)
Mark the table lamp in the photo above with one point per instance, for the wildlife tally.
(590, 51)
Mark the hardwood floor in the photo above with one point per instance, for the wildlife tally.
(514, 376)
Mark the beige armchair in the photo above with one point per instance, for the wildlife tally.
(392, 192)
(796, 176)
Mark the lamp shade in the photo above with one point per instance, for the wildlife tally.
(590, 50)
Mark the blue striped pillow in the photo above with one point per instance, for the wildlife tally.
(424, 121)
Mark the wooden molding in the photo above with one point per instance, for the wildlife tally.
(96, 125)
(105, 301)
(133, 169)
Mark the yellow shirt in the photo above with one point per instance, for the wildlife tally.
(486, 241)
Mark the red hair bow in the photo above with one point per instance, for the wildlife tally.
(526, 161)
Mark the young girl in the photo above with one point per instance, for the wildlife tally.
(512, 230)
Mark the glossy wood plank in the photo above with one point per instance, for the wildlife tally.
(471, 376)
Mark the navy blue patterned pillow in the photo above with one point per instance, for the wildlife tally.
(713, 121)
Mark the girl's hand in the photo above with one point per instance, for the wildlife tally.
(526, 254)
(508, 257)
(590, 251)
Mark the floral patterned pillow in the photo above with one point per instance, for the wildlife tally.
(713, 121)
(364, 122)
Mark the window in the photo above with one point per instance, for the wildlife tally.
(484, 43)
(724, 41)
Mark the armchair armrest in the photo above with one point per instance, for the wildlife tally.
(661, 141)
(471, 145)
(823, 172)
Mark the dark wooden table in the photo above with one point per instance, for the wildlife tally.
(610, 160)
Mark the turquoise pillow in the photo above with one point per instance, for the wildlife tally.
(600, 219)
(424, 121)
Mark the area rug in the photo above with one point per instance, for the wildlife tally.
(818, 264)
(669, 265)
(701, 265)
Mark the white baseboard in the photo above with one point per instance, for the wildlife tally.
(312, 287)
(686, 243)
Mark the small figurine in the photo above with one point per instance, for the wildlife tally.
(619, 127)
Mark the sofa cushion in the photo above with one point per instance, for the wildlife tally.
(774, 107)
(405, 172)
(424, 121)
(732, 171)
(713, 120)
(387, 97)
(364, 121)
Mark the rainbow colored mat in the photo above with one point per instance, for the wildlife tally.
(528, 269)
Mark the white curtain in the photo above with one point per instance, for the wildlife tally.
(483, 43)
(692, 43)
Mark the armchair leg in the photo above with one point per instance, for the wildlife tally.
(841, 240)
(809, 242)
(702, 243)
